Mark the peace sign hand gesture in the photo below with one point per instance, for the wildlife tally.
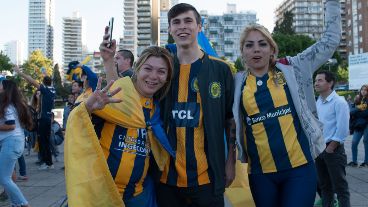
(99, 98)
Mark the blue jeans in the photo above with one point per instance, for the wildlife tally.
(11, 149)
(357, 136)
(22, 166)
(288, 188)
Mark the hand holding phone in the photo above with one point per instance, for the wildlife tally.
(111, 26)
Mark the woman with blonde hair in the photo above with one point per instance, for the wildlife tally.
(123, 142)
(275, 114)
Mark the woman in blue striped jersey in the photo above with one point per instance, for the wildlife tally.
(113, 170)
(274, 109)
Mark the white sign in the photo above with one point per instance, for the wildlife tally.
(358, 71)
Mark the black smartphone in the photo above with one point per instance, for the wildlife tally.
(111, 27)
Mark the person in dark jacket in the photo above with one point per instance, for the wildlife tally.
(198, 109)
(359, 121)
(196, 112)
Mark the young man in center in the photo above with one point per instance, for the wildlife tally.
(196, 112)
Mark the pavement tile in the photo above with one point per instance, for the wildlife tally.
(45, 188)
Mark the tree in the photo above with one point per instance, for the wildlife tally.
(286, 25)
(56, 79)
(230, 63)
(37, 66)
(170, 40)
(5, 62)
(291, 45)
(238, 64)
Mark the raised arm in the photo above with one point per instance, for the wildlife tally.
(107, 54)
(317, 54)
(27, 77)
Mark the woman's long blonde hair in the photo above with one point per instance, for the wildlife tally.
(263, 30)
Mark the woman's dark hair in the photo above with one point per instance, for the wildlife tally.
(12, 95)
(35, 101)
(358, 99)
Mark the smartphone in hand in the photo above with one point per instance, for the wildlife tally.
(111, 27)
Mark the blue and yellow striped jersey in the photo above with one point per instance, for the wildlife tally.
(127, 152)
(274, 138)
(363, 104)
(190, 168)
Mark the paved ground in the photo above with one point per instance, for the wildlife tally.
(45, 188)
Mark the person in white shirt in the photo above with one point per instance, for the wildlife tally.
(333, 112)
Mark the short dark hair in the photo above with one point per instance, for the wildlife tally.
(182, 8)
(329, 76)
(47, 81)
(80, 83)
(127, 54)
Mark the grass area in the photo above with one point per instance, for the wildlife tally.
(347, 93)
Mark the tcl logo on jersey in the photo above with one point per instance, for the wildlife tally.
(186, 114)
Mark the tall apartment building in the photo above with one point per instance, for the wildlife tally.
(343, 48)
(41, 26)
(73, 39)
(15, 51)
(223, 31)
(308, 16)
(144, 25)
(357, 26)
(130, 40)
(138, 24)
(164, 25)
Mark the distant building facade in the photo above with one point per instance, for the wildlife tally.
(41, 15)
(15, 51)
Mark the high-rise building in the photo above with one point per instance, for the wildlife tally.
(130, 40)
(223, 31)
(343, 49)
(73, 39)
(308, 19)
(15, 51)
(164, 25)
(356, 26)
(144, 25)
(41, 26)
(308, 16)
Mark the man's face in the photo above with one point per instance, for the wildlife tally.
(122, 63)
(76, 88)
(321, 85)
(184, 29)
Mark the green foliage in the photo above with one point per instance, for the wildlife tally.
(238, 64)
(37, 66)
(286, 26)
(348, 94)
(60, 90)
(291, 45)
(231, 64)
(5, 63)
(170, 40)
(342, 74)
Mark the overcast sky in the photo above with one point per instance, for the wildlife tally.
(14, 17)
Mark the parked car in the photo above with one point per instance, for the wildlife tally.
(344, 87)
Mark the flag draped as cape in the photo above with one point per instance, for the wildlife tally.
(88, 179)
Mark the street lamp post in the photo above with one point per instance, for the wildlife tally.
(331, 62)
